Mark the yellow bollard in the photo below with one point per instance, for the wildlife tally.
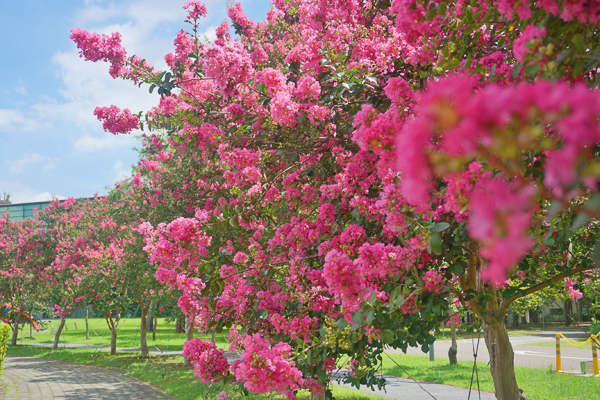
(558, 363)
(595, 356)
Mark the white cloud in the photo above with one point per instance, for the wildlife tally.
(210, 34)
(18, 166)
(24, 194)
(121, 171)
(93, 144)
(21, 90)
(14, 120)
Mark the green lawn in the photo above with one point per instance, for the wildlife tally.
(127, 336)
(165, 372)
(538, 384)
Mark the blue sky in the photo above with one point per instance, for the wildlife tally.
(50, 141)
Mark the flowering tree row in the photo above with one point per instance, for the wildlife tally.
(78, 253)
(347, 168)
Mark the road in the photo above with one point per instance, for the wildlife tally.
(526, 355)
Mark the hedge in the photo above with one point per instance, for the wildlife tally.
(4, 335)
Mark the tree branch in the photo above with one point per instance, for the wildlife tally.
(540, 286)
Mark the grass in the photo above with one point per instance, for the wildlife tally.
(538, 384)
(165, 372)
(128, 334)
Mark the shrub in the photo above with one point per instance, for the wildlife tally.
(4, 335)
(595, 328)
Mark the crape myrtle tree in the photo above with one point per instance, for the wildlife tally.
(23, 255)
(114, 270)
(134, 270)
(72, 233)
(87, 257)
(352, 166)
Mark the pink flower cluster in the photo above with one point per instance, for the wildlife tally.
(116, 120)
(531, 33)
(95, 47)
(265, 368)
(454, 123)
(210, 365)
(567, 10)
(500, 217)
(433, 281)
(573, 293)
(195, 9)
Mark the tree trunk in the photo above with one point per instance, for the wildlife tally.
(63, 320)
(149, 319)
(189, 329)
(112, 325)
(568, 312)
(180, 325)
(492, 312)
(87, 324)
(15, 334)
(502, 362)
(189, 333)
(454, 347)
(113, 342)
(143, 342)
(154, 327)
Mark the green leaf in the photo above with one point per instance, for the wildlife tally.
(357, 318)
(517, 70)
(442, 9)
(341, 323)
(577, 68)
(370, 316)
(431, 13)
(388, 336)
(440, 226)
(578, 42)
(532, 70)
(234, 222)
(435, 243)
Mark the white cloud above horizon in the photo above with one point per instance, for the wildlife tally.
(24, 194)
(31, 159)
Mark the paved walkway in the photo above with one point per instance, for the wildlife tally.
(43, 379)
(40, 379)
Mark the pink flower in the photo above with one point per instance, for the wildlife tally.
(195, 9)
(116, 120)
(265, 369)
(240, 258)
(95, 47)
(530, 33)
(210, 365)
(433, 281)
(500, 218)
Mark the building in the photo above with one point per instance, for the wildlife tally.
(18, 212)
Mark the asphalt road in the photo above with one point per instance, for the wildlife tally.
(526, 355)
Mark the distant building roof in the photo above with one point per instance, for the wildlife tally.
(20, 211)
